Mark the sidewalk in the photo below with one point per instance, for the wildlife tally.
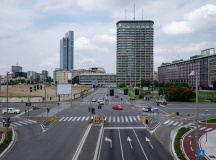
(210, 145)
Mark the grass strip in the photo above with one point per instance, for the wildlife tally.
(210, 121)
(177, 143)
(5, 144)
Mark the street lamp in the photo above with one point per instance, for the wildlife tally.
(45, 91)
(206, 124)
(7, 121)
(194, 73)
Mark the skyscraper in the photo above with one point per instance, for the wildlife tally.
(134, 57)
(67, 51)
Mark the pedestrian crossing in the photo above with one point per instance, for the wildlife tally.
(22, 123)
(173, 123)
(115, 119)
(105, 102)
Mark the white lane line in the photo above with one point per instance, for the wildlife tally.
(70, 118)
(170, 123)
(27, 121)
(209, 129)
(74, 118)
(105, 118)
(65, 118)
(82, 118)
(23, 123)
(122, 118)
(191, 148)
(175, 123)
(118, 119)
(126, 119)
(130, 119)
(180, 124)
(61, 118)
(138, 118)
(87, 118)
(113, 118)
(110, 119)
(134, 118)
(17, 124)
(140, 145)
(78, 118)
(166, 122)
(202, 128)
(22, 113)
(32, 121)
(121, 145)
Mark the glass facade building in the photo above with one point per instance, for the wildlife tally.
(134, 57)
(67, 51)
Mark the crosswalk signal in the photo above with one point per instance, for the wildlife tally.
(30, 88)
(41, 87)
(35, 88)
(125, 91)
(99, 106)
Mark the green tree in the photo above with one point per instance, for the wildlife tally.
(75, 80)
(122, 85)
(179, 94)
(148, 82)
(143, 82)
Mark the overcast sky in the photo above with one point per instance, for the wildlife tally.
(30, 31)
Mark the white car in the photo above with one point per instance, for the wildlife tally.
(11, 110)
(146, 108)
(101, 102)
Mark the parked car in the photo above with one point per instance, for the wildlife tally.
(117, 107)
(11, 110)
(146, 109)
(132, 98)
(161, 101)
(94, 100)
(116, 96)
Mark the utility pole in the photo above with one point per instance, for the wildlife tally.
(7, 112)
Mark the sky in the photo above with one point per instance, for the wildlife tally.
(30, 31)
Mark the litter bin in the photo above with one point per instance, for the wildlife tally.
(146, 121)
(177, 113)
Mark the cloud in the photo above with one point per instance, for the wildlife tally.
(88, 60)
(162, 50)
(2, 66)
(201, 19)
(106, 38)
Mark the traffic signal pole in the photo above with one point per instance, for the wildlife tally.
(7, 112)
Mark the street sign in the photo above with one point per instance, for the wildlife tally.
(201, 153)
(151, 119)
(156, 110)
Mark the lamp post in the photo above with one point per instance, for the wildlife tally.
(45, 91)
(206, 124)
(71, 88)
(7, 112)
(194, 73)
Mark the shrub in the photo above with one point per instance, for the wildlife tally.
(182, 94)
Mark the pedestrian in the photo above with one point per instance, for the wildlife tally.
(3, 122)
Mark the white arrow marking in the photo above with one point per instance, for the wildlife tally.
(129, 140)
(109, 140)
(148, 140)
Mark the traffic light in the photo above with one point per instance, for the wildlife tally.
(99, 106)
(136, 91)
(89, 109)
(35, 88)
(125, 91)
(48, 110)
(93, 110)
(111, 92)
(50, 98)
(41, 87)
(30, 89)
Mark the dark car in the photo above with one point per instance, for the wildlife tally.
(132, 98)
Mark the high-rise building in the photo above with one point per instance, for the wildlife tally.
(15, 69)
(67, 51)
(135, 42)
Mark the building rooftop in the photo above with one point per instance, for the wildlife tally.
(97, 74)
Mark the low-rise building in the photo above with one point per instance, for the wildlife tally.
(60, 76)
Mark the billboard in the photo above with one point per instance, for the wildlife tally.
(63, 89)
(95, 82)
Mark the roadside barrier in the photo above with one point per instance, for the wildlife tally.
(52, 120)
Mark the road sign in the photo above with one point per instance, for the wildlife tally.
(156, 110)
(201, 153)
(151, 119)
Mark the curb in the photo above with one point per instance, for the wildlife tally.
(98, 143)
(172, 149)
(200, 146)
(14, 137)
(182, 147)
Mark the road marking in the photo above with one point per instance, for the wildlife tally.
(23, 123)
(110, 119)
(105, 118)
(17, 124)
(122, 118)
(166, 122)
(74, 118)
(209, 129)
(113, 118)
(32, 121)
(13, 125)
(180, 124)
(22, 113)
(82, 118)
(124, 127)
(148, 140)
(138, 118)
(65, 118)
(118, 119)
(202, 128)
(129, 140)
(87, 118)
(126, 118)
(191, 148)
(121, 145)
(134, 118)
(190, 142)
(170, 123)
(61, 118)
(140, 145)
(130, 119)
(70, 118)
(27, 121)
(175, 123)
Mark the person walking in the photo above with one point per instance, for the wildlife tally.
(3, 121)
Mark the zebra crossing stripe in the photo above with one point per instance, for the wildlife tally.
(87, 118)
(166, 122)
(105, 118)
(13, 125)
(122, 118)
(32, 121)
(61, 118)
(138, 118)
(82, 118)
(70, 118)
(17, 124)
(180, 124)
(78, 118)
(209, 129)
(113, 118)
(175, 123)
(65, 118)
(118, 119)
(170, 123)
(126, 119)
(130, 119)
(27, 121)
(23, 123)
(110, 119)
(74, 118)
(202, 128)
(134, 118)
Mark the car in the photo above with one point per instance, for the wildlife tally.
(132, 98)
(117, 107)
(146, 109)
(101, 102)
(11, 110)
(161, 101)
(120, 92)
(116, 96)
(94, 100)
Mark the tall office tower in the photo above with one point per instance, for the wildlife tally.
(15, 69)
(135, 42)
(67, 51)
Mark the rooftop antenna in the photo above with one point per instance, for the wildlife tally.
(142, 13)
(125, 14)
(134, 10)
